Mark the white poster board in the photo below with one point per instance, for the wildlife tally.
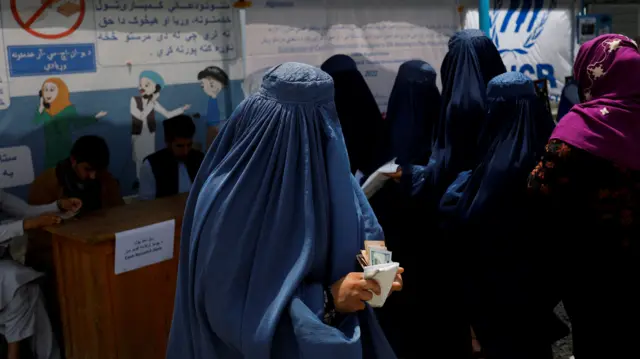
(379, 36)
(535, 42)
(144, 246)
(16, 167)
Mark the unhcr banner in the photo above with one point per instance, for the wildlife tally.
(533, 37)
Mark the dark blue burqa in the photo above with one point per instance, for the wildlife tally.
(273, 218)
(413, 111)
(511, 316)
(414, 107)
(570, 96)
(471, 62)
(362, 124)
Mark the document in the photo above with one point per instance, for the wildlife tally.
(378, 178)
(144, 246)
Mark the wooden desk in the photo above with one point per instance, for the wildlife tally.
(103, 315)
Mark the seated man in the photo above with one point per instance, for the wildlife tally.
(171, 170)
(22, 312)
(83, 175)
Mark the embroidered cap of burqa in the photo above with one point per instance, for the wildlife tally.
(359, 114)
(510, 317)
(273, 217)
(414, 107)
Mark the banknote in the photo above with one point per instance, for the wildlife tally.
(379, 255)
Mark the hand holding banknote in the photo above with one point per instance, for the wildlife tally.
(376, 262)
(350, 292)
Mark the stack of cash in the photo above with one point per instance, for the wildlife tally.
(374, 253)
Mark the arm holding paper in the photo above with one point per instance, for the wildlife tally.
(374, 237)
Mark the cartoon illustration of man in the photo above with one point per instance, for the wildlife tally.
(59, 117)
(213, 79)
(143, 118)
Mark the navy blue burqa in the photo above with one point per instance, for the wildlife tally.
(414, 107)
(570, 96)
(492, 222)
(413, 111)
(274, 217)
(472, 61)
(360, 117)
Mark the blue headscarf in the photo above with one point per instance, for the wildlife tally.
(413, 110)
(273, 218)
(360, 117)
(491, 216)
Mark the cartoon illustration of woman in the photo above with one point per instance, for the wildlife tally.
(59, 117)
(143, 118)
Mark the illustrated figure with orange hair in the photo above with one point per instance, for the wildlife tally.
(59, 117)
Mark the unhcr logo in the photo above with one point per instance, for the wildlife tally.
(517, 29)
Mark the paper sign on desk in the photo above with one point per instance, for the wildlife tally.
(144, 246)
(16, 168)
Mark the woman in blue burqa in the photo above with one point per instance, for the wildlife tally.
(271, 229)
(413, 110)
(471, 62)
(510, 307)
(362, 124)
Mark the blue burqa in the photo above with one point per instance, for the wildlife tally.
(508, 310)
(274, 218)
(413, 111)
(471, 62)
(570, 96)
(362, 124)
(414, 107)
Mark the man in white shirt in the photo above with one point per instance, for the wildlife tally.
(22, 312)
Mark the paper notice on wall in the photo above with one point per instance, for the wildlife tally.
(16, 167)
(144, 246)
(378, 36)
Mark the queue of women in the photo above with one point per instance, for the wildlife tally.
(496, 214)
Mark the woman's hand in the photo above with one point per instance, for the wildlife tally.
(70, 204)
(41, 108)
(44, 220)
(395, 176)
(397, 283)
(350, 292)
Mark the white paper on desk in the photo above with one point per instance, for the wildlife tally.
(384, 274)
(144, 246)
(378, 178)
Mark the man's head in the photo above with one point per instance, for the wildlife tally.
(178, 134)
(150, 82)
(212, 80)
(89, 155)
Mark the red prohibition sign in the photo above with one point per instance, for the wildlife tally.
(26, 25)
